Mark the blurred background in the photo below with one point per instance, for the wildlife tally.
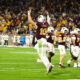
(14, 24)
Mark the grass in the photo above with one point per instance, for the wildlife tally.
(20, 64)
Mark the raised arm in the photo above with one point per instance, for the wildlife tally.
(30, 18)
(48, 18)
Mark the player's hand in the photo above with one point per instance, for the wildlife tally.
(29, 11)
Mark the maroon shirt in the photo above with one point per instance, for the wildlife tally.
(50, 40)
(77, 40)
(41, 30)
(62, 35)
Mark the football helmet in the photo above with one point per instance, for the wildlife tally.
(79, 31)
(72, 32)
(50, 29)
(64, 30)
(41, 18)
(75, 31)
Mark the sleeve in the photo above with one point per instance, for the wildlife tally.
(73, 37)
(37, 24)
(48, 19)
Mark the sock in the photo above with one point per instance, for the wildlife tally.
(60, 63)
(69, 61)
(51, 54)
(75, 64)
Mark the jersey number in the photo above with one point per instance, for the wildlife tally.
(43, 31)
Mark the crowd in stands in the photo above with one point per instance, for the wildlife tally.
(13, 14)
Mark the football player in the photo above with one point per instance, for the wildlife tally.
(50, 39)
(41, 30)
(79, 48)
(61, 45)
(74, 47)
(49, 22)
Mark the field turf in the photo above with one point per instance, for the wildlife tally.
(21, 64)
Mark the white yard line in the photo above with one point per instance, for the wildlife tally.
(16, 58)
(14, 69)
(7, 48)
(23, 52)
(19, 63)
(20, 47)
(15, 46)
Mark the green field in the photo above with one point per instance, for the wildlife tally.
(21, 64)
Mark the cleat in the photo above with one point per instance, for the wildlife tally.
(68, 65)
(79, 65)
(61, 66)
(75, 65)
(50, 68)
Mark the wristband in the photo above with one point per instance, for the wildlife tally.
(28, 13)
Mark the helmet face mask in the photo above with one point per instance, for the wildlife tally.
(41, 18)
(66, 31)
(79, 31)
